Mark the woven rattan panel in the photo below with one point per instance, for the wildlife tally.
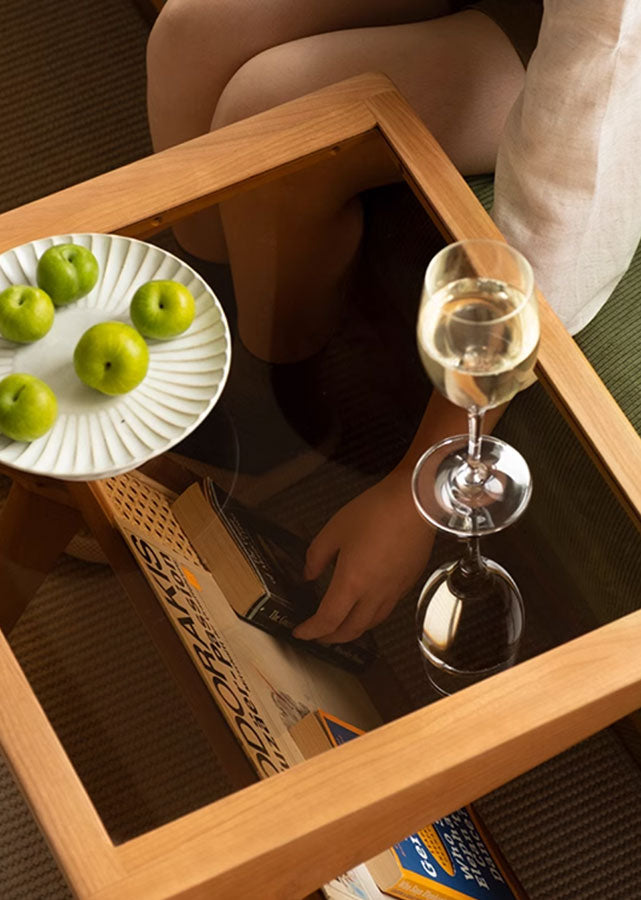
(147, 505)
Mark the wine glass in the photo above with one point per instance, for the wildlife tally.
(478, 336)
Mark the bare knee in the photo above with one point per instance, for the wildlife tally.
(193, 33)
(270, 78)
(204, 36)
(193, 50)
(175, 27)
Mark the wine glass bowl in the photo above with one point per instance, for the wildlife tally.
(478, 338)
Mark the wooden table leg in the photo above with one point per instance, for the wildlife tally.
(34, 530)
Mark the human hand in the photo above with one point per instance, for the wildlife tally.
(381, 546)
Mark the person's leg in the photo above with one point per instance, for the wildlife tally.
(197, 46)
(292, 241)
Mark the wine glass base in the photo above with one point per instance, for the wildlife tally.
(450, 502)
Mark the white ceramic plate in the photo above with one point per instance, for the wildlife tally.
(96, 436)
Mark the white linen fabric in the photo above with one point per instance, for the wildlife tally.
(568, 174)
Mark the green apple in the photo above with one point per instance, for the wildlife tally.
(111, 357)
(162, 309)
(67, 272)
(26, 313)
(28, 407)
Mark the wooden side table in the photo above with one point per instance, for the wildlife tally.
(295, 831)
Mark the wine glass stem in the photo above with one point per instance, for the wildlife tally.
(472, 561)
(476, 472)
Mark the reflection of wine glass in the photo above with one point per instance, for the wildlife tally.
(478, 335)
(469, 621)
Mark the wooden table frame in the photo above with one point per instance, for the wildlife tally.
(285, 836)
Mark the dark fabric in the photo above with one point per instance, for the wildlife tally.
(519, 19)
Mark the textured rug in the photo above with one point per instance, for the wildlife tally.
(73, 105)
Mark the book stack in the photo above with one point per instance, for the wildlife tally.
(262, 685)
(259, 567)
(284, 704)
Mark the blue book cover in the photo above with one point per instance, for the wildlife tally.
(452, 854)
(339, 732)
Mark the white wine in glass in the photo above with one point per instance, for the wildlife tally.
(478, 340)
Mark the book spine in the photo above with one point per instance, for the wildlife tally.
(347, 656)
(238, 532)
(499, 866)
(274, 616)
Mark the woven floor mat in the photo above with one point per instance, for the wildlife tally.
(572, 827)
(72, 103)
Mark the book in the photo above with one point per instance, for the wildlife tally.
(452, 859)
(259, 567)
(261, 684)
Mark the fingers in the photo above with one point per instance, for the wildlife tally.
(333, 610)
(320, 554)
(377, 559)
(365, 614)
(346, 611)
